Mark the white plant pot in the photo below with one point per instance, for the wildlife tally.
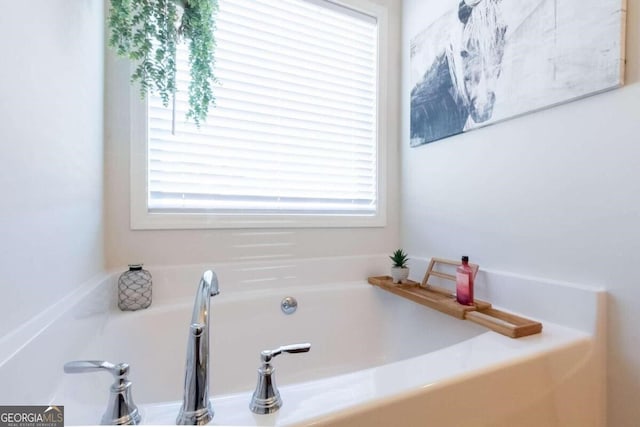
(398, 274)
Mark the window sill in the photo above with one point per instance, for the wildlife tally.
(184, 221)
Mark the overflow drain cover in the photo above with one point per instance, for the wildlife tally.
(289, 305)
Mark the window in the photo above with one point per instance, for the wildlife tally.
(295, 137)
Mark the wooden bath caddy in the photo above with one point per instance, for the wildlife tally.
(443, 300)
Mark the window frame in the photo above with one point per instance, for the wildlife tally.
(142, 219)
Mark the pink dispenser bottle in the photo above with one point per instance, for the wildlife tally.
(464, 283)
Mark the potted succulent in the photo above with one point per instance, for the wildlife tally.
(147, 32)
(399, 269)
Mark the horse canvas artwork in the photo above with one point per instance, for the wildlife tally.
(488, 60)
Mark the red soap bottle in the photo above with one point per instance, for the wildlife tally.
(464, 283)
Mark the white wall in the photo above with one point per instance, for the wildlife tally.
(51, 152)
(124, 245)
(553, 194)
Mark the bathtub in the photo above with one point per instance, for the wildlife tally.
(375, 359)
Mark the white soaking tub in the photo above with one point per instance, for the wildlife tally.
(350, 326)
(375, 359)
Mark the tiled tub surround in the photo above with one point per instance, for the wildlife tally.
(376, 359)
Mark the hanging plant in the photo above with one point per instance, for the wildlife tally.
(148, 31)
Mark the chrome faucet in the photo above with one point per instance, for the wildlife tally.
(196, 408)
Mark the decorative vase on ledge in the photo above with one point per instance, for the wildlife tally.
(134, 289)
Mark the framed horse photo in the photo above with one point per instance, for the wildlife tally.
(485, 61)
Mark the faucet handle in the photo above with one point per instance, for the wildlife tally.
(121, 370)
(121, 409)
(267, 355)
(266, 398)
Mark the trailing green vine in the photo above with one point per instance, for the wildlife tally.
(148, 31)
(198, 27)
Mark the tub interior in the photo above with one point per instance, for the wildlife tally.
(350, 326)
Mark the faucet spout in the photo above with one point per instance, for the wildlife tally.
(196, 407)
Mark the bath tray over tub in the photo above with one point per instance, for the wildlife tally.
(443, 300)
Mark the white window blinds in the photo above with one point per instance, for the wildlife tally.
(294, 128)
